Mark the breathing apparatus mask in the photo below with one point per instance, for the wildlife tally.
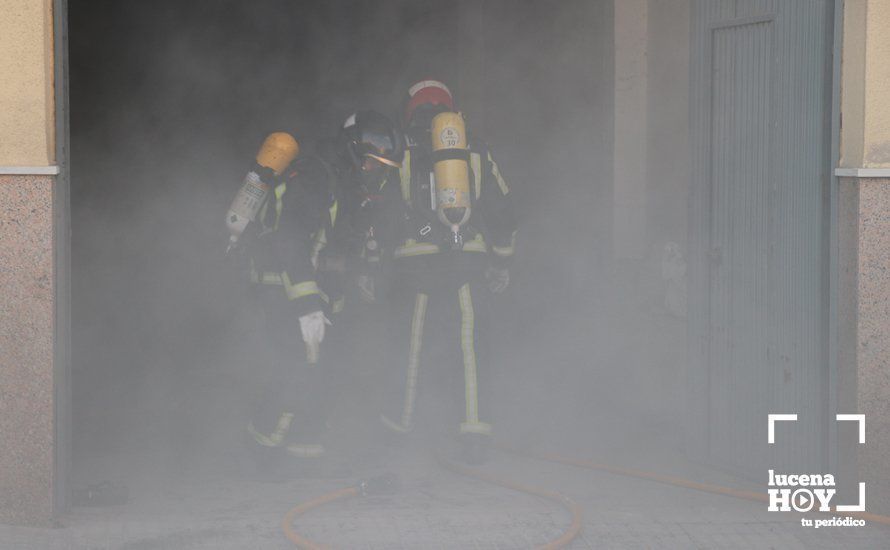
(371, 144)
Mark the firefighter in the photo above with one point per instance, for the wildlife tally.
(369, 151)
(366, 154)
(454, 243)
(286, 214)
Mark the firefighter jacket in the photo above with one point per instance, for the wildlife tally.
(352, 245)
(284, 247)
(415, 230)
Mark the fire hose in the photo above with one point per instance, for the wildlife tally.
(670, 480)
(560, 542)
(387, 483)
(384, 484)
(375, 485)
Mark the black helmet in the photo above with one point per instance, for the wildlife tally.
(368, 134)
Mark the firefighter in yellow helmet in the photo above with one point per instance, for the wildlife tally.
(285, 218)
(453, 244)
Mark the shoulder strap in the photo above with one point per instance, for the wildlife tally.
(405, 177)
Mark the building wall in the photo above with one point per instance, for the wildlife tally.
(27, 274)
(26, 89)
(877, 91)
(873, 345)
(651, 172)
(26, 341)
(864, 241)
(667, 178)
(652, 60)
(865, 132)
(631, 128)
(852, 77)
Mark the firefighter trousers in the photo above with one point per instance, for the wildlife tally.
(292, 406)
(440, 331)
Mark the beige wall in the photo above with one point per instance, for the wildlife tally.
(629, 160)
(27, 125)
(651, 125)
(877, 85)
(865, 87)
(668, 121)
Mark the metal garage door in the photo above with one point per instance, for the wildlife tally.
(761, 132)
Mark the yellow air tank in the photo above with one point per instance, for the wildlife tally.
(452, 171)
(276, 153)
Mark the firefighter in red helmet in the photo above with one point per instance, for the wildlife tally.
(453, 245)
(427, 95)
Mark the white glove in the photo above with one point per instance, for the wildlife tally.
(312, 327)
(366, 288)
(498, 279)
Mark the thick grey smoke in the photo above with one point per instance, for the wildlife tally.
(170, 101)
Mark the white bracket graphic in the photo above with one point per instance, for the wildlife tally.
(773, 418)
(860, 418)
(851, 507)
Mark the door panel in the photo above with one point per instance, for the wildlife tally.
(760, 132)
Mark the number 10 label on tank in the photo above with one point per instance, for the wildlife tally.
(450, 137)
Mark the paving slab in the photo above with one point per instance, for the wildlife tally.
(435, 509)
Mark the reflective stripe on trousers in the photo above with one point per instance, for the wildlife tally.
(471, 393)
(468, 321)
(420, 303)
(471, 423)
(276, 438)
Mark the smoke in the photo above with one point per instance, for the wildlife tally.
(169, 102)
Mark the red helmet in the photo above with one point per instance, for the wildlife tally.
(427, 92)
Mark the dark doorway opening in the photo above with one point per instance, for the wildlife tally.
(169, 101)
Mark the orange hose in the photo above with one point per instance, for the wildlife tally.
(287, 524)
(671, 480)
(575, 526)
(572, 506)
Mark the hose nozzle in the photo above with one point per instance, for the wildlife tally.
(385, 484)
